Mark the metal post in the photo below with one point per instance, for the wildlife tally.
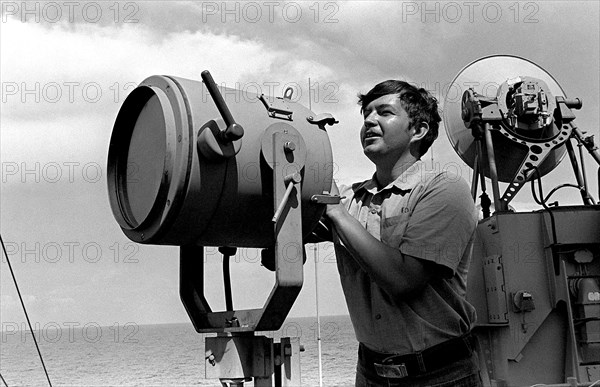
(227, 252)
(588, 142)
(577, 172)
(583, 173)
(475, 180)
(318, 318)
(492, 165)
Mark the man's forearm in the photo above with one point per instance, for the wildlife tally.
(396, 273)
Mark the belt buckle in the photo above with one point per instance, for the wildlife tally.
(395, 371)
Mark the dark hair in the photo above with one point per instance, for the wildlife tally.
(419, 104)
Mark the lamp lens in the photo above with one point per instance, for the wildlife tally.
(146, 159)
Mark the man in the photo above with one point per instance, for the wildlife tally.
(403, 241)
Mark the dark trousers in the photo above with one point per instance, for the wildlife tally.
(460, 373)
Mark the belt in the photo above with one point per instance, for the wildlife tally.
(414, 364)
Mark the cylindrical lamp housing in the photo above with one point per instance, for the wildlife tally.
(166, 185)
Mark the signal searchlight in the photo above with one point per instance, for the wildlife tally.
(192, 164)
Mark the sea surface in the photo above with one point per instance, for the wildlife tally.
(158, 355)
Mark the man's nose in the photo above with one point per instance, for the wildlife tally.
(371, 119)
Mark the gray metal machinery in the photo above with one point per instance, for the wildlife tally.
(535, 276)
(192, 164)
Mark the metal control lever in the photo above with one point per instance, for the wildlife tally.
(322, 120)
(291, 180)
(234, 131)
(326, 198)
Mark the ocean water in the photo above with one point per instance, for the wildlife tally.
(159, 355)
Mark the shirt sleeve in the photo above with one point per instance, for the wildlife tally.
(442, 222)
(346, 193)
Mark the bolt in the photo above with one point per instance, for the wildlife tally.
(289, 146)
(211, 359)
(294, 178)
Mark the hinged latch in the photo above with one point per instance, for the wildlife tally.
(278, 107)
(322, 119)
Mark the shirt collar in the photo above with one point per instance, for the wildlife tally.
(405, 182)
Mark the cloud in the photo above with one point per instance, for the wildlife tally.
(92, 70)
(327, 34)
(8, 301)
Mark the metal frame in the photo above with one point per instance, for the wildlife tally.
(288, 250)
(482, 120)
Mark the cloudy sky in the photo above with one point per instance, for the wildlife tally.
(66, 68)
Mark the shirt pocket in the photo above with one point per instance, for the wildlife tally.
(392, 229)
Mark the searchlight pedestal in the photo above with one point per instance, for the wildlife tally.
(535, 276)
(191, 164)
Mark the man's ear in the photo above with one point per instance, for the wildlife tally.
(420, 131)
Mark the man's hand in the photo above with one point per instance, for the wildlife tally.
(397, 274)
(321, 233)
(323, 230)
(335, 210)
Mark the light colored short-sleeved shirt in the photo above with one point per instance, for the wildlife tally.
(429, 216)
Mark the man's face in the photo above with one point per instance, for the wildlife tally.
(386, 133)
